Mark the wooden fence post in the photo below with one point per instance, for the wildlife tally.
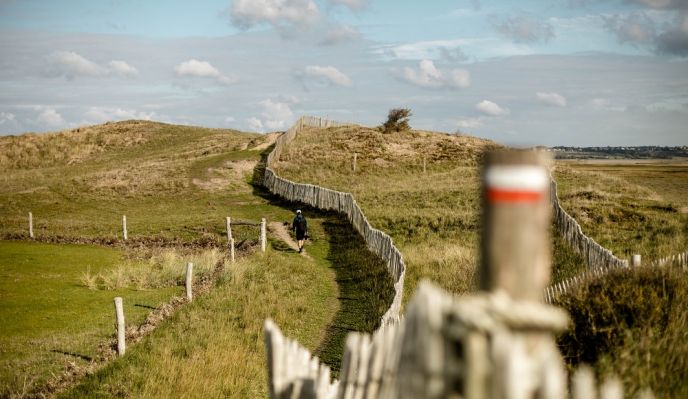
(119, 314)
(30, 225)
(231, 249)
(124, 227)
(424, 165)
(189, 281)
(516, 217)
(263, 236)
(635, 260)
(229, 228)
(354, 164)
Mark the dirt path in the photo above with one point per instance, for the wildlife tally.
(269, 140)
(279, 231)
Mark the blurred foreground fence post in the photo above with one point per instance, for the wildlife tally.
(229, 228)
(124, 227)
(30, 225)
(636, 260)
(263, 235)
(189, 281)
(119, 314)
(231, 249)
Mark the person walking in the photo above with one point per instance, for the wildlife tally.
(300, 227)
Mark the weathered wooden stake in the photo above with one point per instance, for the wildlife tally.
(636, 260)
(119, 314)
(30, 225)
(229, 229)
(516, 219)
(263, 236)
(189, 281)
(231, 249)
(124, 227)
(354, 164)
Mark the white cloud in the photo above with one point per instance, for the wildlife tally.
(420, 50)
(202, 69)
(428, 76)
(70, 65)
(354, 5)
(278, 13)
(51, 118)
(255, 124)
(605, 104)
(553, 99)
(525, 29)
(490, 108)
(276, 115)
(6, 117)
(104, 114)
(122, 68)
(330, 74)
(340, 34)
(470, 123)
(636, 28)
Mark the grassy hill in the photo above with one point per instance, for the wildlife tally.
(176, 185)
(432, 216)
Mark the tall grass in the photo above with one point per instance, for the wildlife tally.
(633, 324)
(165, 268)
(213, 347)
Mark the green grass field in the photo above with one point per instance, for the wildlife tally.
(49, 318)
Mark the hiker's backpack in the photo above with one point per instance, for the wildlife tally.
(301, 224)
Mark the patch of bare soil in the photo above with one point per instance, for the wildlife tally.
(684, 210)
(269, 140)
(230, 172)
(280, 231)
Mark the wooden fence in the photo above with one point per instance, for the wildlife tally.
(567, 286)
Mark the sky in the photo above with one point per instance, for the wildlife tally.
(549, 72)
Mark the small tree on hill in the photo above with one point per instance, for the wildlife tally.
(397, 120)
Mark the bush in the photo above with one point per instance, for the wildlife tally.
(397, 120)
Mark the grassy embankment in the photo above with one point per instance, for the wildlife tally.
(632, 324)
(176, 184)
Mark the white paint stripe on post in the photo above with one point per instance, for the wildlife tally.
(30, 225)
(124, 227)
(119, 314)
(517, 177)
(189, 281)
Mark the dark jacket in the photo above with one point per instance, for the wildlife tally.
(300, 225)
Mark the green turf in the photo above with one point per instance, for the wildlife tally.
(49, 318)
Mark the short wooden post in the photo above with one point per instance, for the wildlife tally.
(189, 281)
(424, 165)
(636, 260)
(119, 314)
(30, 225)
(516, 219)
(263, 236)
(229, 228)
(231, 249)
(354, 164)
(124, 227)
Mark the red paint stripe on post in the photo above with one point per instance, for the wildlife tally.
(497, 195)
